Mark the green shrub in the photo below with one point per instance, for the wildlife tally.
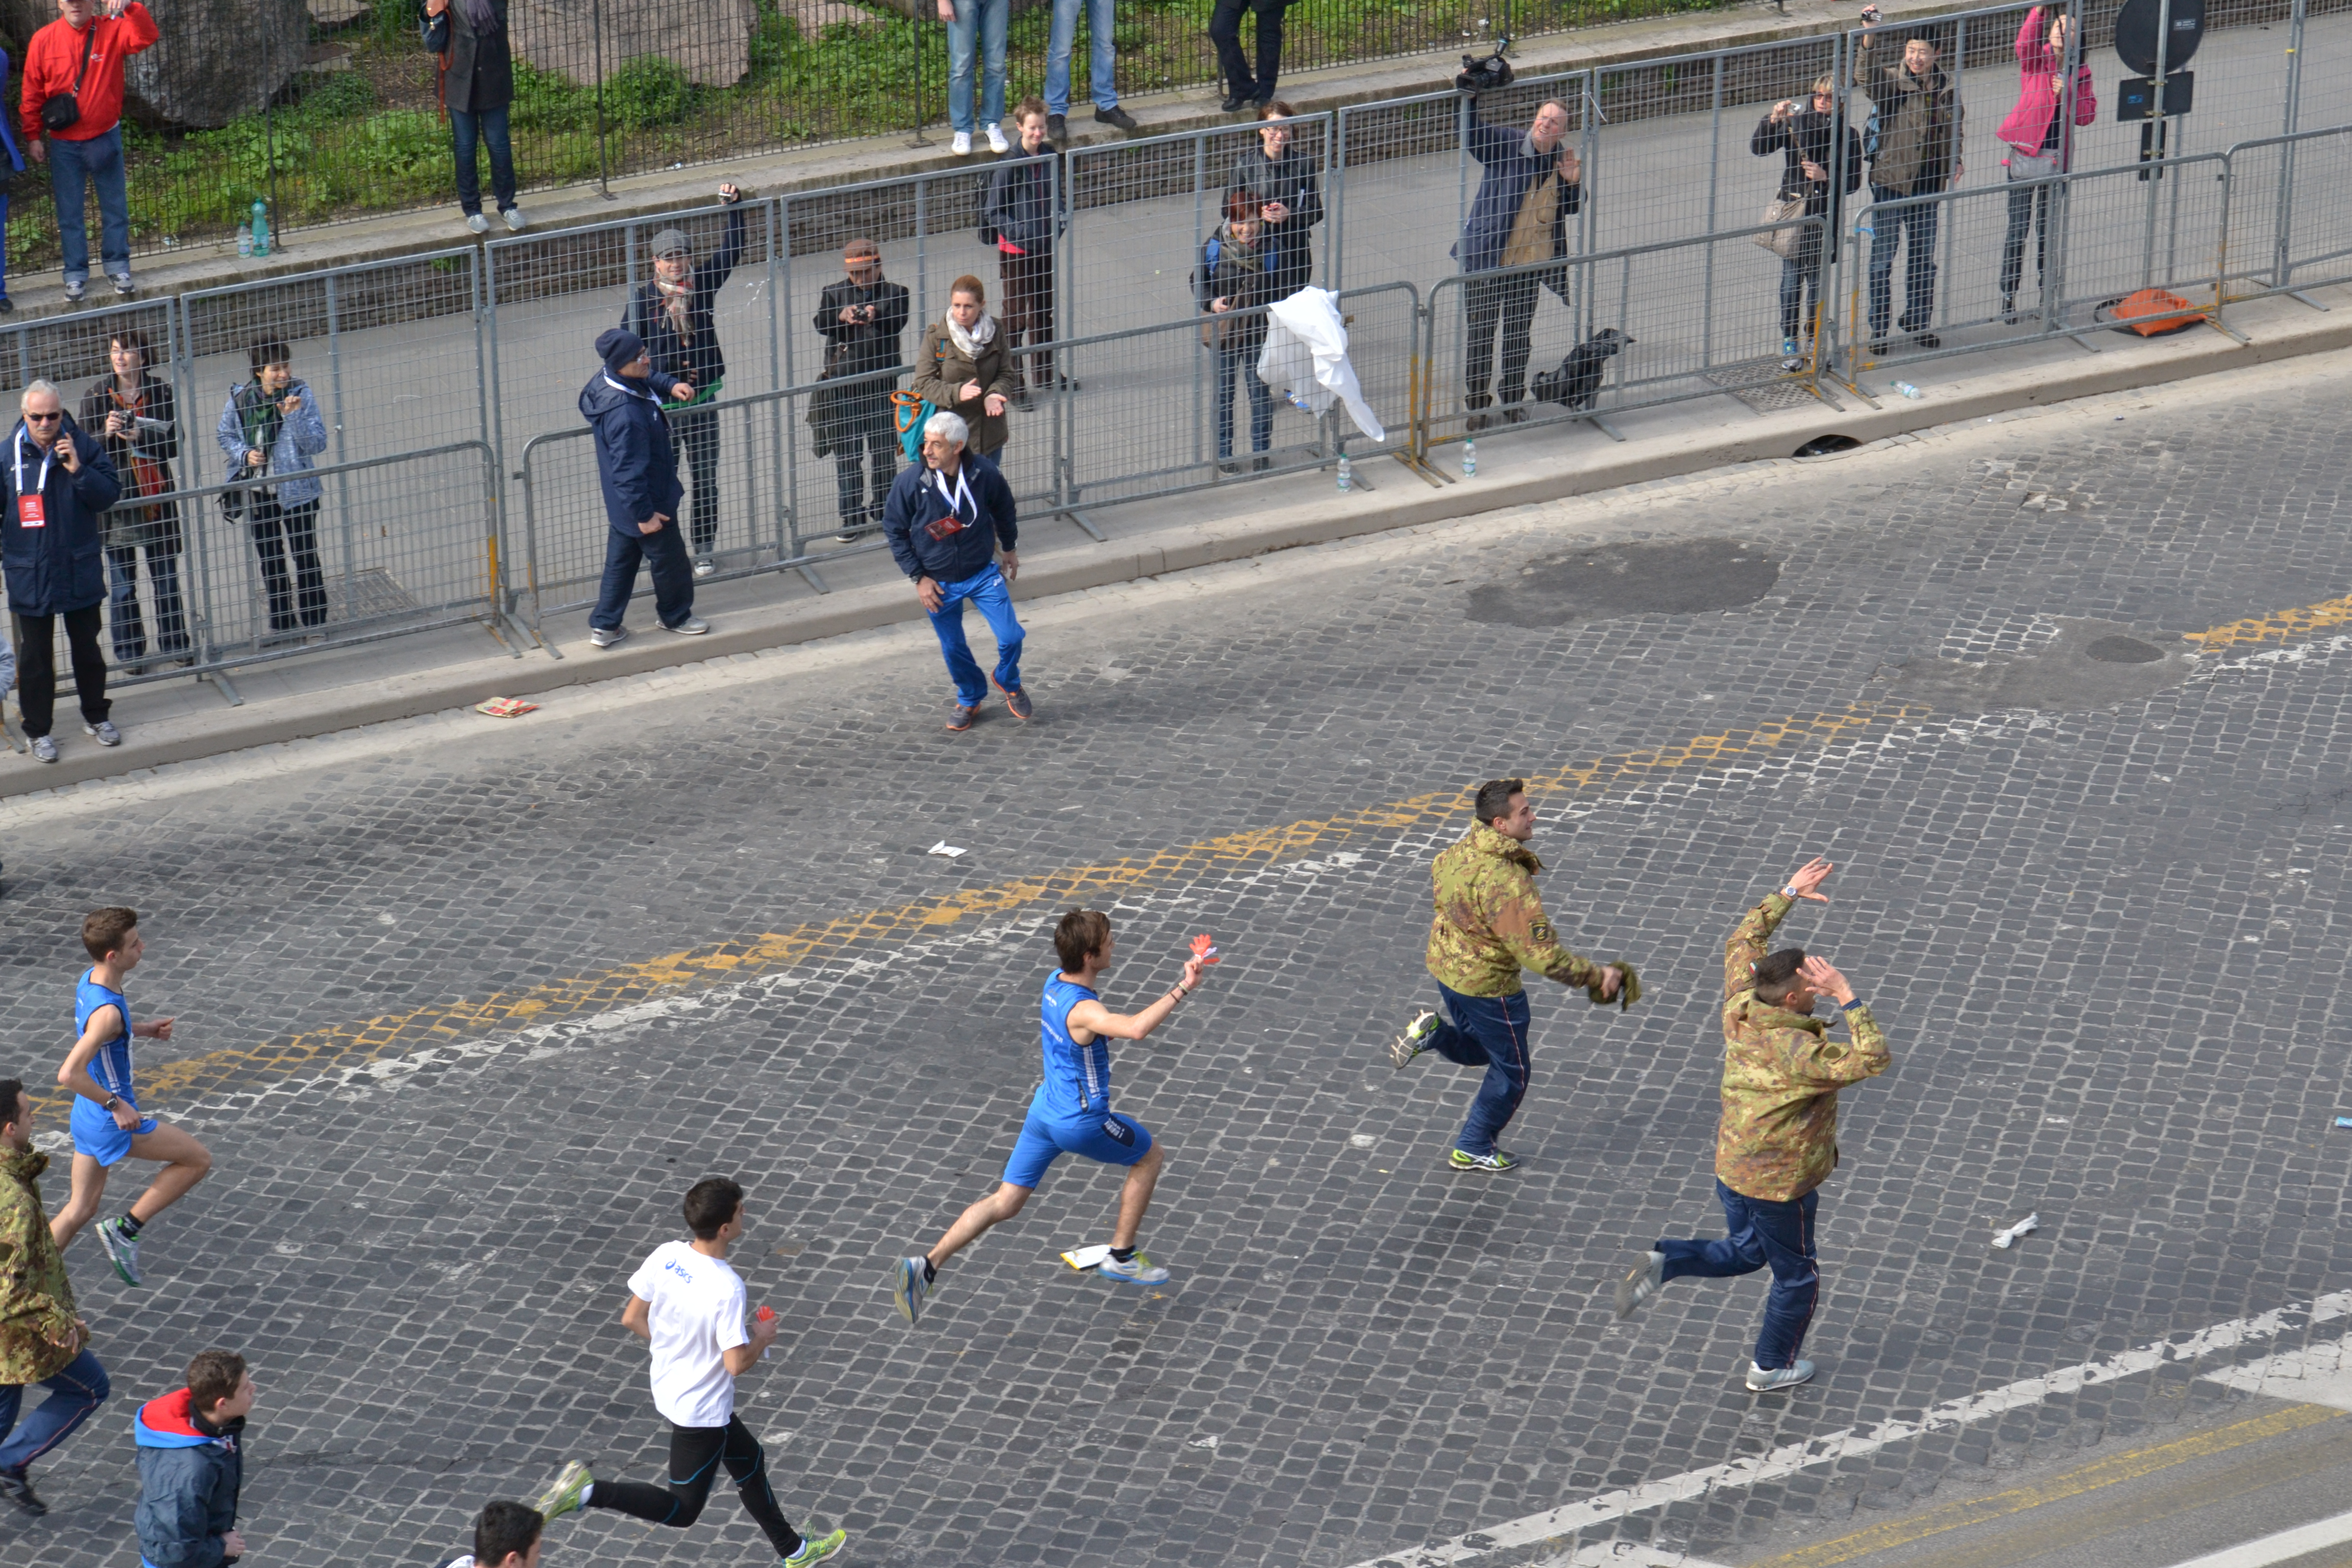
(647, 92)
(545, 101)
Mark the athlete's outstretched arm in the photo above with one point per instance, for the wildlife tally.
(1097, 1019)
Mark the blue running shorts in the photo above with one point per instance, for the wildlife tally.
(1110, 1139)
(96, 1135)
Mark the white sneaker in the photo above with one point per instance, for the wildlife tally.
(961, 145)
(514, 217)
(705, 567)
(692, 626)
(996, 142)
(45, 749)
(1643, 1280)
(1137, 1270)
(603, 638)
(107, 735)
(1762, 1382)
(477, 223)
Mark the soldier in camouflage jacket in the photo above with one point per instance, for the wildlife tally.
(41, 1339)
(1777, 1142)
(1488, 926)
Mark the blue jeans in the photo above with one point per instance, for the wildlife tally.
(489, 127)
(74, 1393)
(1763, 1233)
(1102, 53)
(1488, 1032)
(123, 616)
(1242, 360)
(665, 552)
(1890, 216)
(995, 601)
(980, 22)
(98, 162)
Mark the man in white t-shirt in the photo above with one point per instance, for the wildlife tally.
(506, 1535)
(689, 1304)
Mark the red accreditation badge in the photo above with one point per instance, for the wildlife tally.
(29, 513)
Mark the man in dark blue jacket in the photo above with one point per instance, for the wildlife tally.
(192, 1464)
(671, 310)
(945, 519)
(1533, 182)
(637, 468)
(56, 484)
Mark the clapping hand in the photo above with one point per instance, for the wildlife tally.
(1819, 976)
(1809, 877)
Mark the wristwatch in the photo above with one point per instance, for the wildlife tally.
(112, 1100)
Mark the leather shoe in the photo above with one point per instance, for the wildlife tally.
(1927, 339)
(1116, 116)
(1057, 128)
(1234, 102)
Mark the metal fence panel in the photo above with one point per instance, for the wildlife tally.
(2290, 213)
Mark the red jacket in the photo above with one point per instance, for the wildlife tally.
(53, 59)
(2028, 125)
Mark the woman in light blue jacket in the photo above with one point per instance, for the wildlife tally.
(271, 427)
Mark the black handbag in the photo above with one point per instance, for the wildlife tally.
(62, 111)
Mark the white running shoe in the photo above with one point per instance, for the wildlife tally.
(996, 142)
(476, 223)
(692, 626)
(1137, 1270)
(515, 220)
(1762, 1382)
(910, 1288)
(1414, 1041)
(961, 145)
(1643, 1280)
(603, 638)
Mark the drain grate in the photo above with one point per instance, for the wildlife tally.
(1761, 384)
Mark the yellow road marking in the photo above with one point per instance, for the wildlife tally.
(2281, 625)
(398, 1034)
(2106, 1472)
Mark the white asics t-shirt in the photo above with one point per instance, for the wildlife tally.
(698, 1311)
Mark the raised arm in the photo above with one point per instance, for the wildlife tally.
(1820, 1062)
(1097, 1019)
(1752, 938)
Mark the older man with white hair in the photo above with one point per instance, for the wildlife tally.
(56, 484)
(946, 518)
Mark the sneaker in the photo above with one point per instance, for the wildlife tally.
(1414, 1041)
(7, 306)
(562, 1496)
(1927, 339)
(960, 145)
(1492, 1164)
(1762, 1382)
(602, 638)
(18, 1488)
(45, 747)
(124, 286)
(705, 567)
(996, 142)
(121, 1250)
(477, 223)
(692, 626)
(910, 1289)
(107, 735)
(1057, 128)
(73, 293)
(1016, 701)
(2009, 310)
(1791, 358)
(961, 716)
(1137, 1270)
(1643, 1280)
(815, 1549)
(1116, 116)
(515, 220)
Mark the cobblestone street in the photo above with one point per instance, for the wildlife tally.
(461, 1019)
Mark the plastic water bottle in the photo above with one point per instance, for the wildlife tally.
(244, 239)
(1346, 476)
(1469, 459)
(766, 1314)
(1907, 390)
(260, 227)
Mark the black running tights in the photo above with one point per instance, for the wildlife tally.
(695, 1456)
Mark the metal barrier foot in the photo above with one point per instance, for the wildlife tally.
(2299, 294)
(1075, 515)
(227, 689)
(809, 572)
(1436, 478)
(1606, 429)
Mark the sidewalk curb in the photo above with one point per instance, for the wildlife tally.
(1285, 525)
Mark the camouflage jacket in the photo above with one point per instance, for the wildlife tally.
(1490, 923)
(37, 1300)
(1782, 1072)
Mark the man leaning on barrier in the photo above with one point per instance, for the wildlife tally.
(1533, 182)
(671, 312)
(637, 466)
(1919, 114)
(863, 318)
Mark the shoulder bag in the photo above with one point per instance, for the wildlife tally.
(62, 111)
(1783, 242)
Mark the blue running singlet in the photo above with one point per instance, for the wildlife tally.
(111, 1066)
(1077, 1078)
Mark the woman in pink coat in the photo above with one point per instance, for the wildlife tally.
(2039, 144)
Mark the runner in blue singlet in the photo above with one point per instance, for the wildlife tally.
(105, 1120)
(1070, 1113)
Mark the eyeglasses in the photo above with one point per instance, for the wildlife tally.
(44, 418)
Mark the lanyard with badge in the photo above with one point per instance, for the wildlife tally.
(957, 501)
(30, 513)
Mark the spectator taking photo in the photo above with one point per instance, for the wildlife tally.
(671, 312)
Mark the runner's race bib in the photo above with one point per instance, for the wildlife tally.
(29, 513)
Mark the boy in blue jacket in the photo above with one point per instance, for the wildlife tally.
(191, 1463)
(945, 519)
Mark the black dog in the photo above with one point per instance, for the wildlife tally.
(1577, 381)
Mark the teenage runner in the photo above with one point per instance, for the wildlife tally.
(105, 1120)
(687, 1303)
(1071, 1114)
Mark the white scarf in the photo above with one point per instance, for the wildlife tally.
(979, 337)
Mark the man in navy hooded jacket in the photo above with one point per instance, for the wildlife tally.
(945, 517)
(192, 1464)
(637, 467)
(56, 484)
